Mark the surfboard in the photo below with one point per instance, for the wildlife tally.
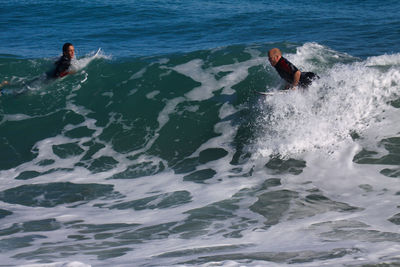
(270, 93)
(98, 51)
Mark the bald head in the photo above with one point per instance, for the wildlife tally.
(274, 55)
(274, 52)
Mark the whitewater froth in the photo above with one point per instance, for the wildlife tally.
(346, 100)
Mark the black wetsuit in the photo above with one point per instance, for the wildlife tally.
(287, 70)
(61, 69)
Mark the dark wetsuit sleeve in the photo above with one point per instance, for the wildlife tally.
(286, 70)
(62, 66)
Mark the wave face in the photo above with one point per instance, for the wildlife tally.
(175, 160)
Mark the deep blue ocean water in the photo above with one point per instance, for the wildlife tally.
(159, 152)
(36, 29)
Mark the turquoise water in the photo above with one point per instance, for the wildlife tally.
(159, 152)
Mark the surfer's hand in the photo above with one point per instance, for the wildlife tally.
(290, 87)
(4, 83)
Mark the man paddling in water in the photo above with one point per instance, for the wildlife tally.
(63, 63)
(288, 71)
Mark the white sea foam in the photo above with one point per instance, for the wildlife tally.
(152, 94)
(348, 98)
(15, 117)
(237, 72)
(78, 64)
(58, 264)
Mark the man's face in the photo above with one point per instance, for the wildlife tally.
(70, 52)
(273, 59)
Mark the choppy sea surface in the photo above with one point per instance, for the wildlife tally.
(159, 152)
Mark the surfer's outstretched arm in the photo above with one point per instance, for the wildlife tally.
(296, 79)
